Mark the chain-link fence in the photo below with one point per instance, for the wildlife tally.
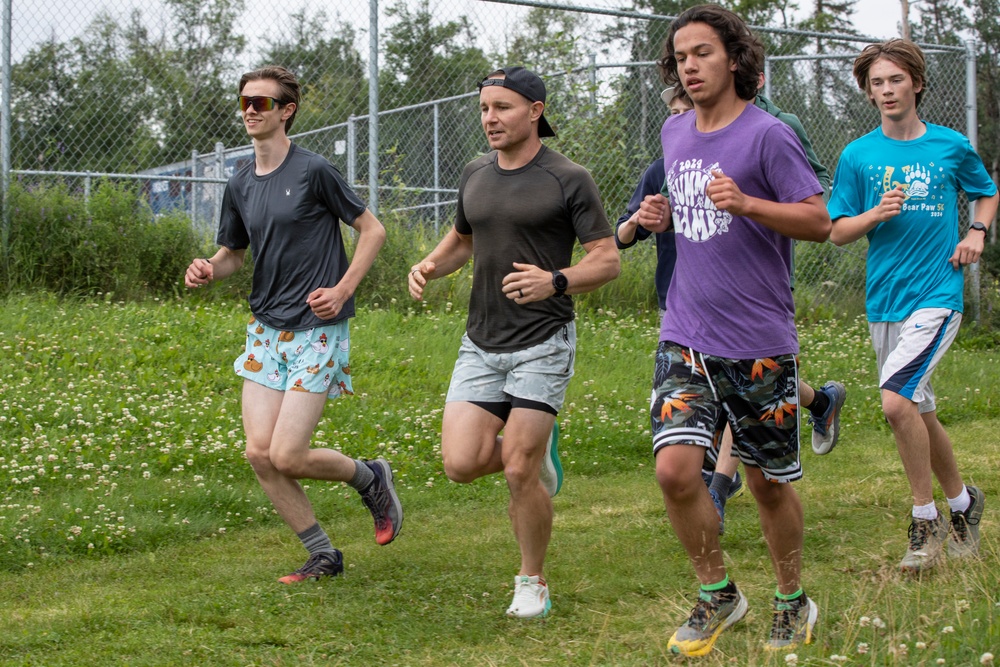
(147, 91)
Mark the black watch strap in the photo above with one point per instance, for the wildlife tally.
(978, 226)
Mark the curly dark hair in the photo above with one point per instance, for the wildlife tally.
(743, 47)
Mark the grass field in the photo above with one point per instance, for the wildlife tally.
(132, 531)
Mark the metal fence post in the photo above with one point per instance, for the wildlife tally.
(972, 131)
(373, 106)
(352, 150)
(220, 162)
(437, 168)
(593, 84)
(193, 201)
(5, 127)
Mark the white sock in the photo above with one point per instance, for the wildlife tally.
(928, 511)
(962, 502)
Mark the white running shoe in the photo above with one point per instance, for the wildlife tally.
(531, 598)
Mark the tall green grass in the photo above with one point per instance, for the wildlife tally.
(66, 243)
(132, 530)
(61, 242)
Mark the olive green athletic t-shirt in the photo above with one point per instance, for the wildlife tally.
(532, 215)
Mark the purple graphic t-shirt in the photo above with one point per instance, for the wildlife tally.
(730, 295)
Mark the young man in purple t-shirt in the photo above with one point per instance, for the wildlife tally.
(740, 189)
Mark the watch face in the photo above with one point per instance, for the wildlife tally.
(560, 282)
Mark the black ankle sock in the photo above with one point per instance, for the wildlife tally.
(721, 484)
(820, 403)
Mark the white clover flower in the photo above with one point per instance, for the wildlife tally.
(947, 630)
(940, 661)
(986, 659)
(791, 659)
(864, 621)
(878, 622)
(838, 658)
(862, 648)
(921, 645)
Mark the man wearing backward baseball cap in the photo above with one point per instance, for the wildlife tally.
(526, 206)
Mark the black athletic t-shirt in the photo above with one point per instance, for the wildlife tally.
(532, 215)
(289, 218)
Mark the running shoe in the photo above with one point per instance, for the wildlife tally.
(736, 488)
(720, 509)
(551, 473)
(927, 538)
(713, 613)
(531, 598)
(965, 526)
(793, 623)
(324, 564)
(826, 427)
(381, 500)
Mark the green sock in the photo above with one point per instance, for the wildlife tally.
(711, 588)
(787, 598)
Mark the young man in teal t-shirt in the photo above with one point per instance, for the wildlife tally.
(898, 185)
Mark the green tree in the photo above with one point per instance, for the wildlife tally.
(329, 67)
(940, 22)
(944, 22)
(986, 29)
(829, 105)
(82, 105)
(40, 85)
(190, 75)
(427, 61)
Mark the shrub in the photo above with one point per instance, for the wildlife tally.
(62, 242)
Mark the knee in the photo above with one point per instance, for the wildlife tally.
(259, 458)
(456, 470)
(896, 408)
(676, 483)
(768, 494)
(764, 492)
(519, 473)
(288, 464)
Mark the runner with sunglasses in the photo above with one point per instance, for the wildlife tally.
(287, 205)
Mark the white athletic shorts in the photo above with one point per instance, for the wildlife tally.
(908, 352)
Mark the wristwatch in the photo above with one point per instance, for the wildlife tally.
(559, 282)
(979, 227)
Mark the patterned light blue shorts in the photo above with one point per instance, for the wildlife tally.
(316, 360)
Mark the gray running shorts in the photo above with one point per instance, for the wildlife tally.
(539, 373)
